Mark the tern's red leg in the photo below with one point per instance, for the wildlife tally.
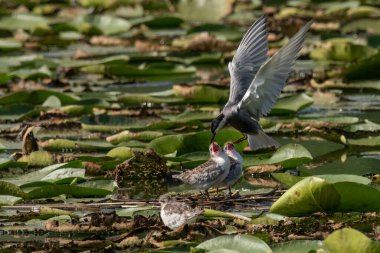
(241, 139)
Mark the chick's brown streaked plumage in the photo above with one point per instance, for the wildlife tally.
(210, 173)
(236, 166)
(175, 214)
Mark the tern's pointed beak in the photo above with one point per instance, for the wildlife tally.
(212, 137)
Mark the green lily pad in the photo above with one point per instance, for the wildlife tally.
(53, 102)
(341, 49)
(64, 173)
(37, 158)
(10, 45)
(23, 21)
(7, 188)
(17, 111)
(291, 104)
(369, 141)
(35, 97)
(350, 240)
(122, 153)
(209, 11)
(310, 195)
(367, 126)
(146, 211)
(298, 246)
(53, 190)
(32, 74)
(357, 197)
(366, 69)
(153, 69)
(290, 155)
(63, 144)
(7, 200)
(371, 24)
(201, 93)
(289, 180)
(126, 136)
(186, 143)
(235, 243)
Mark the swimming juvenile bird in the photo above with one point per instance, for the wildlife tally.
(176, 214)
(210, 173)
(256, 82)
(236, 167)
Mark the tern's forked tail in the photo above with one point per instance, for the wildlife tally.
(261, 141)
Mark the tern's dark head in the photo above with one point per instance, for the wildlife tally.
(216, 125)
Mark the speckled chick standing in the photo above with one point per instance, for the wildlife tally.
(236, 167)
(210, 173)
(176, 214)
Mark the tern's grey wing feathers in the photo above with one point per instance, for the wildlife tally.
(272, 76)
(250, 55)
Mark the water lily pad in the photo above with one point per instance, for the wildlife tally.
(17, 111)
(64, 173)
(357, 197)
(32, 74)
(236, 243)
(206, 11)
(369, 141)
(366, 24)
(52, 101)
(298, 246)
(350, 240)
(201, 93)
(7, 188)
(341, 49)
(186, 143)
(7, 200)
(291, 155)
(365, 69)
(291, 104)
(126, 136)
(153, 69)
(35, 97)
(289, 180)
(310, 195)
(10, 45)
(53, 190)
(367, 126)
(122, 153)
(146, 211)
(63, 144)
(23, 21)
(37, 158)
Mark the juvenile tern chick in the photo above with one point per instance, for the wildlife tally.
(236, 167)
(211, 173)
(176, 214)
(256, 83)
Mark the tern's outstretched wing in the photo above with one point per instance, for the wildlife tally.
(250, 55)
(272, 76)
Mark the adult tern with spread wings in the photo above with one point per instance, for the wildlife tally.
(256, 83)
